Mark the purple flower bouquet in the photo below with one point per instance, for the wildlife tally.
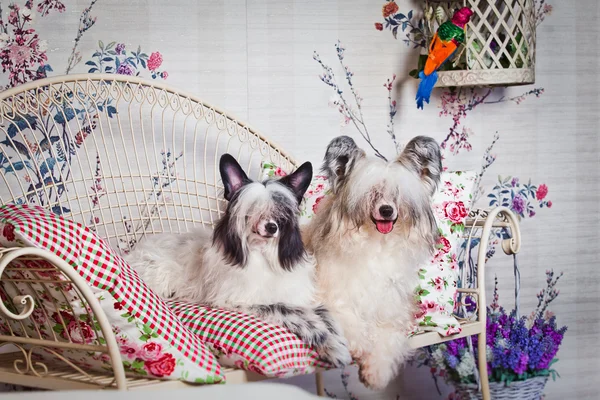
(518, 348)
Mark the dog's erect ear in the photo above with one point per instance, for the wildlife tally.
(422, 154)
(340, 157)
(299, 181)
(232, 174)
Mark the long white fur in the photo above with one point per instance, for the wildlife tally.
(189, 267)
(366, 278)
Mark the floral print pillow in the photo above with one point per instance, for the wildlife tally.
(152, 340)
(436, 293)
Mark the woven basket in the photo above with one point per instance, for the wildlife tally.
(530, 389)
(500, 43)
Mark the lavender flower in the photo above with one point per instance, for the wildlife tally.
(120, 48)
(452, 360)
(518, 204)
(125, 69)
(518, 348)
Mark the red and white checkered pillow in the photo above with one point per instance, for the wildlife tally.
(243, 341)
(152, 339)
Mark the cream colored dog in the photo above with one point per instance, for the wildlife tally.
(369, 238)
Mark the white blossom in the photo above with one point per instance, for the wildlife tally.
(42, 46)
(466, 367)
(438, 356)
(4, 38)
(502, 343)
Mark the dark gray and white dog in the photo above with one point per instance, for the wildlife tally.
(370, 236)
(254, 261)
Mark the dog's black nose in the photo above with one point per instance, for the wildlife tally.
(271, 227)
(386, 211)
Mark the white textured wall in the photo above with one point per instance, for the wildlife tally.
(254, 58)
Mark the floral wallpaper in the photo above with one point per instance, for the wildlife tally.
(259, 67)
(24, 53)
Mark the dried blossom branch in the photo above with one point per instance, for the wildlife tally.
(548, 294)
(160, 182)
(345, 375)
(537, 92)
(488, 160)
(85, 23)
(495, 305)
(349, 74)
(44, 7)
(98, 191)
(542, 11)
(392, 111)
(328, 77)
(456, 104)
(3, 26)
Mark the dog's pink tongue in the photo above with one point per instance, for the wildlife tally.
(384, 226)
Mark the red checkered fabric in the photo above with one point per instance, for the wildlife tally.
(94, 260)
(246, 342)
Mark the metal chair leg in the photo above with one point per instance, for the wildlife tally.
(320, 384)
(482, 361)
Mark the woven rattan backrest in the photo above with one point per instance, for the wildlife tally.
(121, 155)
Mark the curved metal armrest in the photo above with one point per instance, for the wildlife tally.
(485, 221)
(498, 217)
(8, 255)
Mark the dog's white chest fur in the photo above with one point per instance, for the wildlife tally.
(258, 282)
(372, 277)
(187, 267)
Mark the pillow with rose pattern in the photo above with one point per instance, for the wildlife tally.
(153, 342)
(436, 293)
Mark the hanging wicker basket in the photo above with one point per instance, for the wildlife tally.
(500, 42)
(530, 389)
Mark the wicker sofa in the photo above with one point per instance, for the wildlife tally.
(133, 126)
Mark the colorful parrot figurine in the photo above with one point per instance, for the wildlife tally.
(444, 43)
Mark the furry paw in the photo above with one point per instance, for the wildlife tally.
(315, 327)
(373, 376)
(335, 351)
